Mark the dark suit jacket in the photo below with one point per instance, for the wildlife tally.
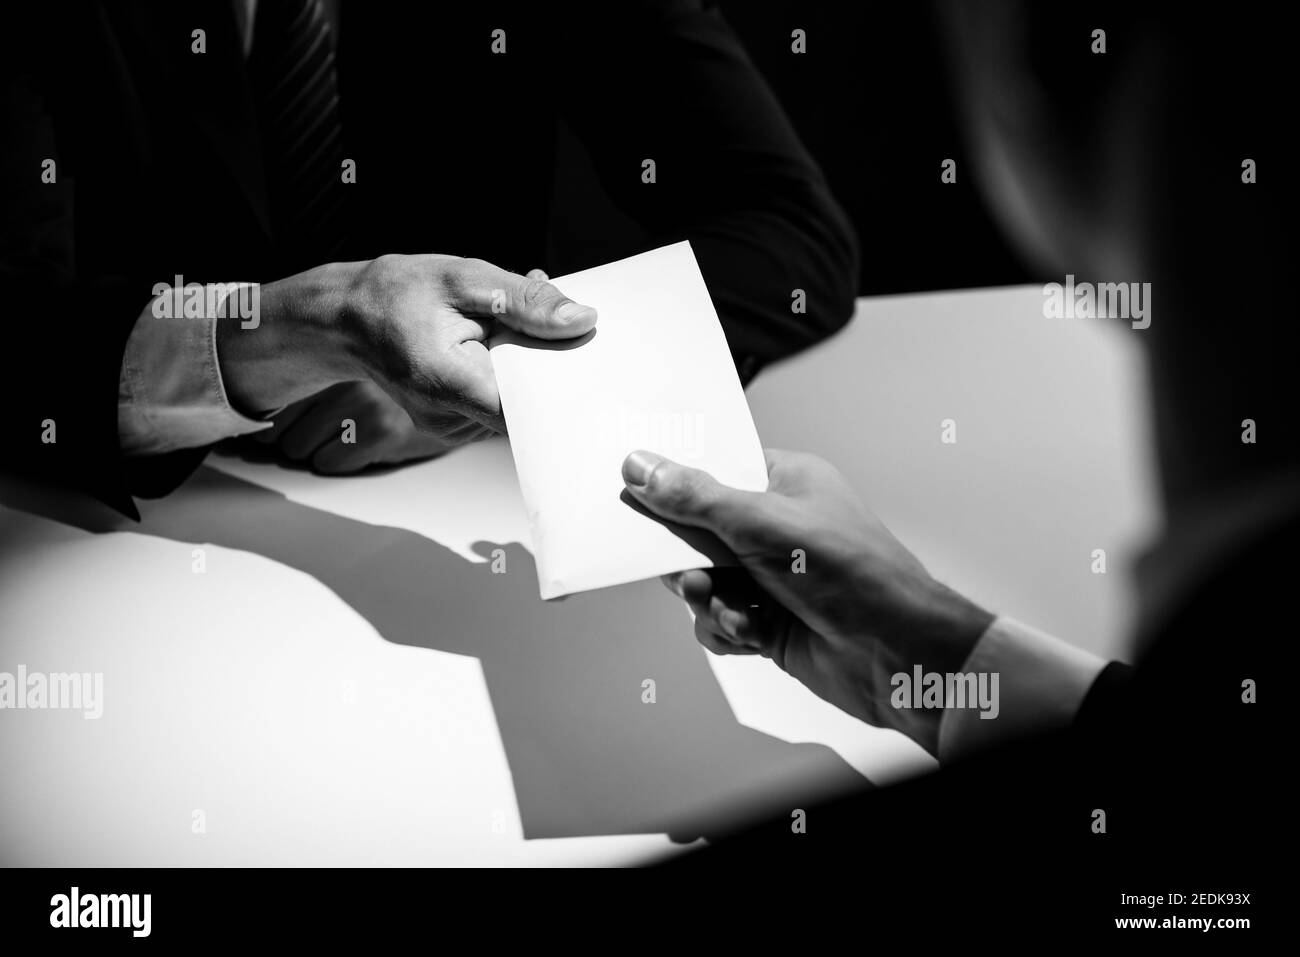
(159, 173)
(1187, 773)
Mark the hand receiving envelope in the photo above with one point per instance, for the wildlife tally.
(654, 374)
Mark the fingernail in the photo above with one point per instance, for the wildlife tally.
(570, 311)
(638, 467)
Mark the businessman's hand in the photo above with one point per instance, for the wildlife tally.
(826, 591)
(415, 326)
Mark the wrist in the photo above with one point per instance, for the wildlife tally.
(294, 347)
(936, 637)
(948, 627)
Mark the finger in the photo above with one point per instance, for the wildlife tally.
(454, 423)
(320, 425)
(537, 274)
(532, 306)
(699, 590)
(371, 422)
(695, 587)
(690, 496)
(718, 644)
(469, 432)
(428, 444)
(728, 601)
(470, 390)
(696, 581)
(291, 413)
(338, 458)
(450, 426)
(734, 622)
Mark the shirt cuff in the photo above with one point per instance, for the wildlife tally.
(1041, 682)
(170, 393)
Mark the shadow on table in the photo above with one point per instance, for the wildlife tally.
(587, 755)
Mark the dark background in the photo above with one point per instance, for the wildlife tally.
(871, 100)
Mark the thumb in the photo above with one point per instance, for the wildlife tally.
(538, 309)
(690, 496)
(528, 304)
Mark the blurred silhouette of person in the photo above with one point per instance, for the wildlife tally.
(1096, 778)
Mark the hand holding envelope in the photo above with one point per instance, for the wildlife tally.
(655, 373)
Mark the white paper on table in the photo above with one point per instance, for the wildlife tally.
(654, 374)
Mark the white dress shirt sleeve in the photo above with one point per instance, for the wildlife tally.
(1042, 681)
(170, 394)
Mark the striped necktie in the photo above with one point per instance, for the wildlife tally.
(295, 89)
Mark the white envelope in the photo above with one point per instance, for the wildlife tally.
(654, 374)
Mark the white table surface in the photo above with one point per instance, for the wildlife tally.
(348, 683)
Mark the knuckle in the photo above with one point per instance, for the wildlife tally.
(681, 490)
(456, 277)
(698, 491)
(460, 276)
(537, 293)
(662, 484)
(388, 268)
(392, 421)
